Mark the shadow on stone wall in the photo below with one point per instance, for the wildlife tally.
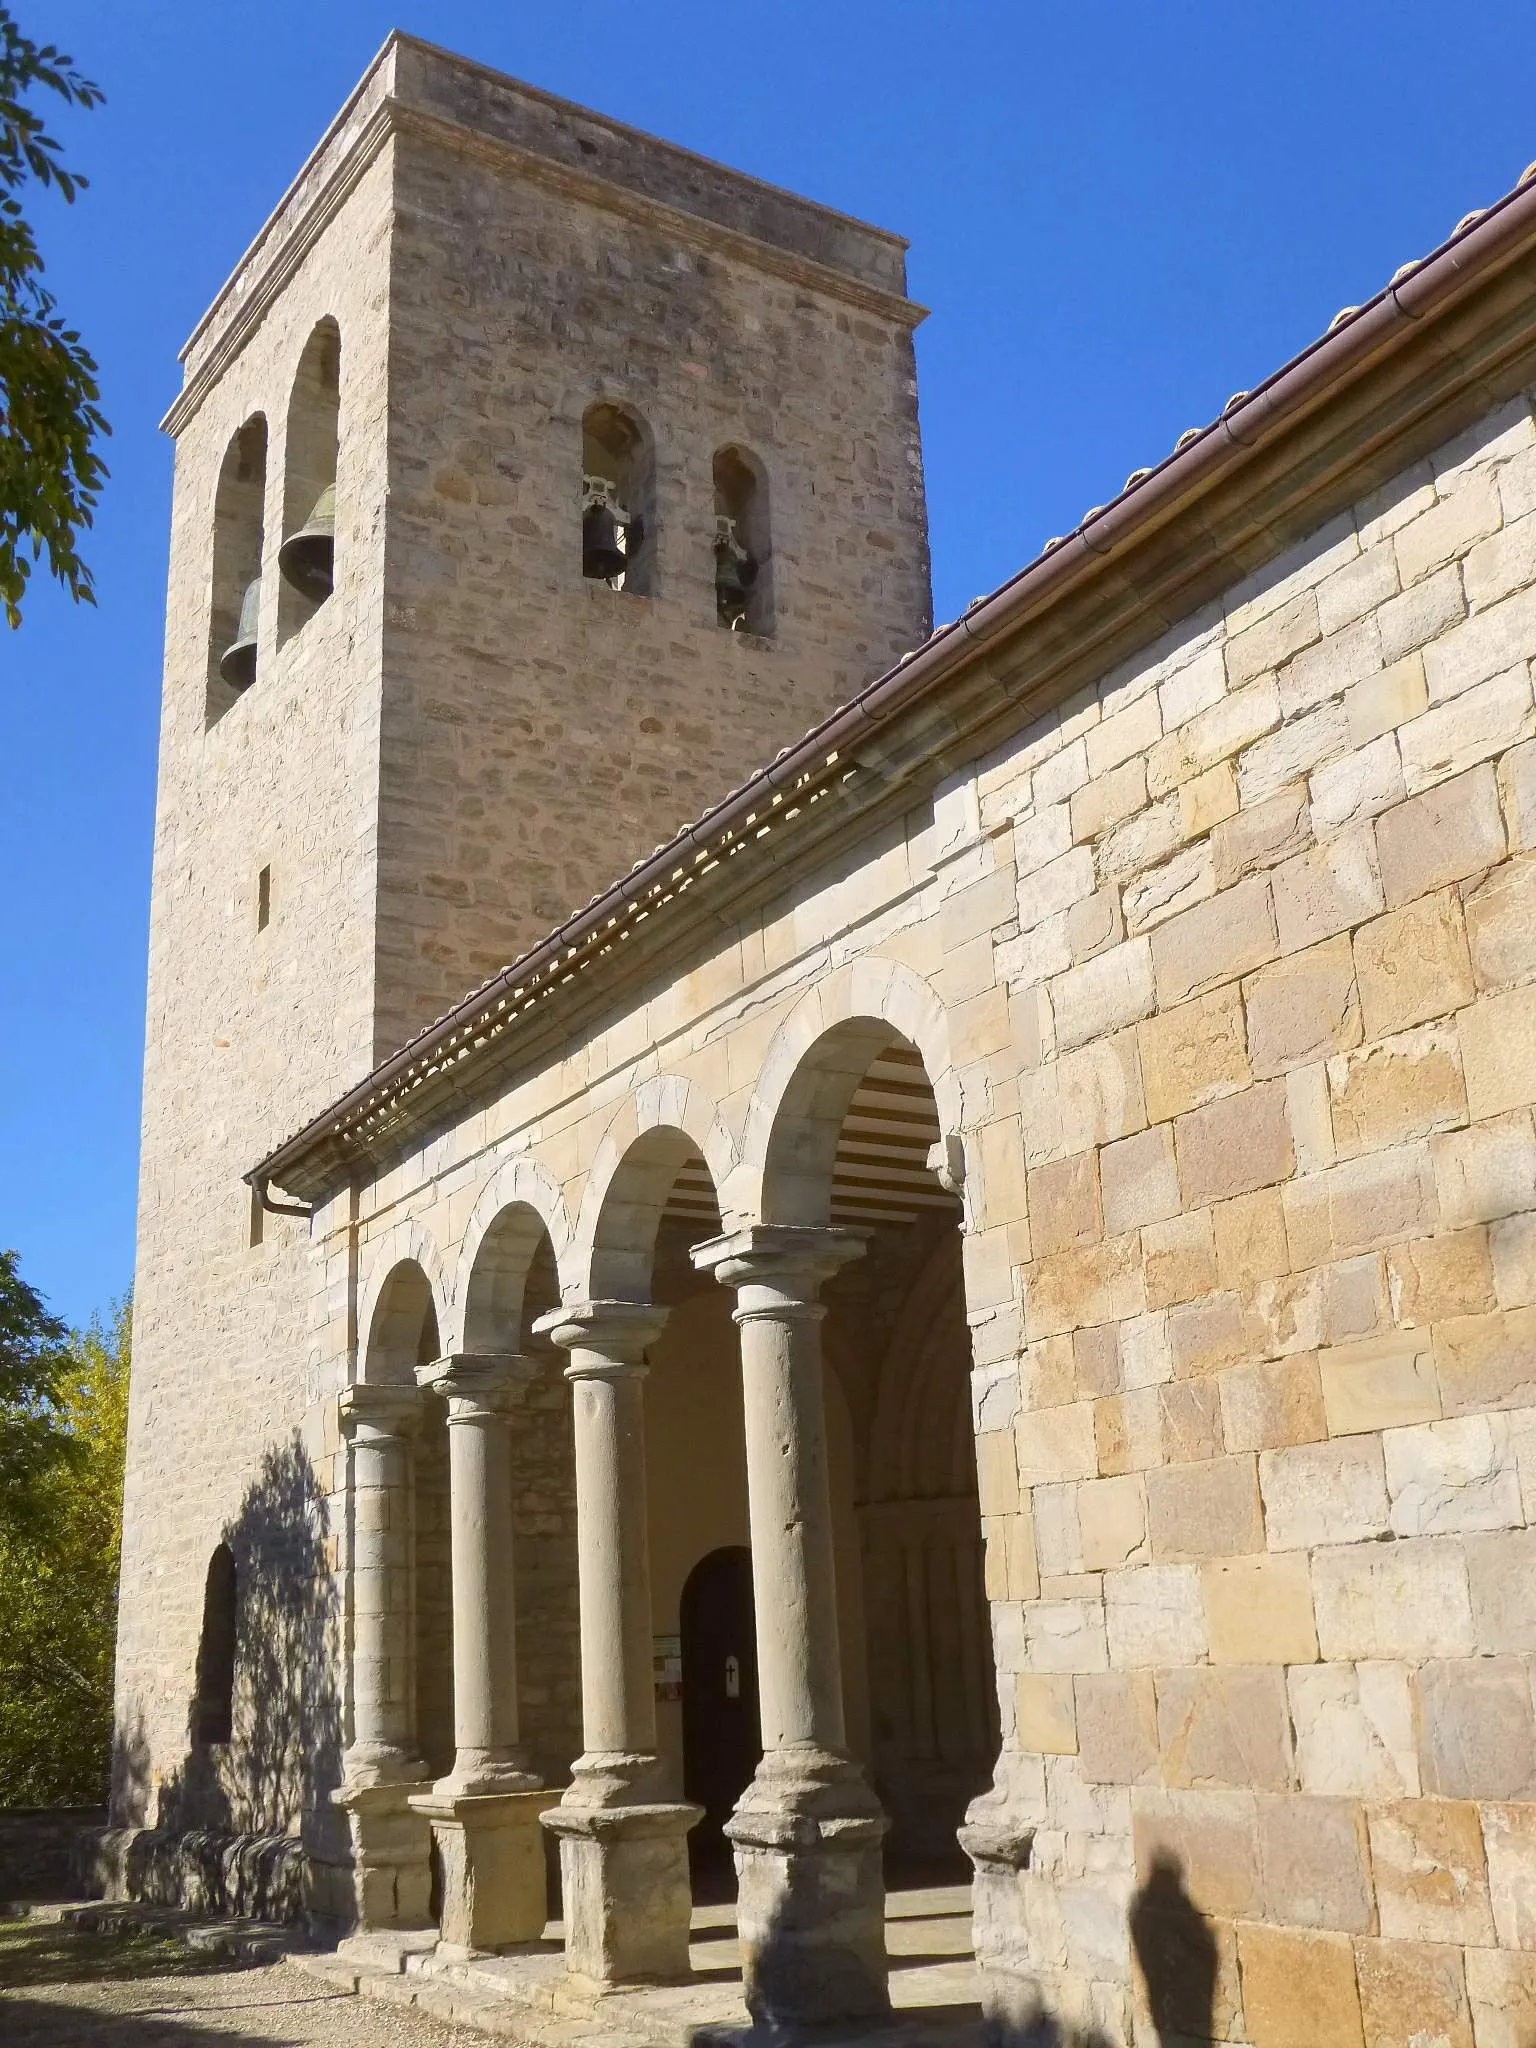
(1176, 1951)
(232, 1827)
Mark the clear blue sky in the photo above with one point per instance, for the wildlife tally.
(1120, 212)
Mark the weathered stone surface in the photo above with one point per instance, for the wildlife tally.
(1501, 1572)
(1213, 1838)
(1406, 1599)
(1380, 1383)
(1498, 1052)
(1064, 1203)
(1331, 889)
(1299, 1988)
(1487, 1362)
(1043, 1713)
(1193, 1054)
(1267, 1407)
(1112, 1522)
(1413, 964)
(1412, 1992)
(1261, 835)
(1235, 1144)
(1501, 925)
(1302, 1008)
(1402, 1088)
(1453, 1477)
(1258, 1610)
(1117, 1728)
(1224, 1728)
(1354, 1730)
(1477, 1730)
(1215, 942)
(1509, 1842)
(1501, 1990)
(1487, 1171)
(1431, 1877)
(1313, 1853)
(1324, 1493)
(1203, 1510)
(1139, 1180)
(1446, 834)
(1437, 1277)
(1154, 1616)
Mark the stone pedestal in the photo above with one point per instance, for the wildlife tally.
(625, 1890)
(391, 1856)
(491, 1849)
(808, 1829)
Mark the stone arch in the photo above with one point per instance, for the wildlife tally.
(663, 1123)
(520, 1205)
(404, 1285)
(311, 456)
(815, 1061)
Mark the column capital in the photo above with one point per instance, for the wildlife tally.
(778, 1267)
(478, 1385)
(607, 1339)
(378, 1412)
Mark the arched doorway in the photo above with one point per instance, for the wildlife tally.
(722, 1738)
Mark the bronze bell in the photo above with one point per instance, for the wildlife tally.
(308, 558)
(735, 573)
(237, 664)
(604, 536)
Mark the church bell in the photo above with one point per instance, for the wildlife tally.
(735, 573)
(607, 531)
(237, 664)
(308, 558)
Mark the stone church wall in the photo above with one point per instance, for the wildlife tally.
(1222, 974)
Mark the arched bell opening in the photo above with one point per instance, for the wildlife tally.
(306, 560)
(743, 543)
(512, 1282)
(850, 1148)
(618, 500)
(239, 511)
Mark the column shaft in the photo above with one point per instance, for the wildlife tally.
(377, 1422)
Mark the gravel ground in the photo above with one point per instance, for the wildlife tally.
(59, 1989)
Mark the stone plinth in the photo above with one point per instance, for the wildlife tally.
(491, 1849)
(624, 1883)
(391, 1856)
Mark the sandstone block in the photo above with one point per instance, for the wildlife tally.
(1056, 1444)
(1211, 1836)
(1105, 802)
(1436, 1277)
(1145, 1357)
(1451, 737)
(1501, 925)
(1267, 1407)
(1509, 1843)
(1449, 1478)
(1431, 1877)
(1501, 1572)
(1498, 1051)
(1258, 1610)
(1406, 1599)
(1179, 1258)
(1063, 1635)
(1324, 1493)
(1302, 1008)
(1225, 1728)
(1095, 1361)
(1354, 1730)
(1104, 994)
(1140, 1180)
(997, 1473)
(1451, 831)
(1209, 1509)
(1189, 1422)
(1063, 1203)
(1071, 1289)
(1094, 924)
(1098, 1094)
(1041, 837)
(1512, 1252)
(1358, 587)
(1154, 1616)
(1117, 1728)
(1124, 733)
(1261, 835)
(1044, 1719)
(1364, 782)
(1329, 889)
(1490, 642)
(1330, 667)
(1139, 842)
(1299, 1988)
(1354, 1299)
(1221, 730)
(1162, 892)
(1501, 1990)
(1112, 1522)
(1194, 682)
(1379, 1383)
(1486, 1172)
(1386, 700)
(1503, 563)
(1412, 1991)
(1487, 1361)
(1194, 1053)
(1205, 1335)
(1295, 752)
(1421, 613)
(1046, 891)
(1517, 792)
(1311, 1119)
(1413, 964)
(1313, 1855)
(1477, 1730)
(1128, 1432)
(1374, 1200)
(1216, 941)
(1275, 638)
(1250, 1235)
(1401, 1088)
(1207, 800)
(1231, 1146)
(1449, 527)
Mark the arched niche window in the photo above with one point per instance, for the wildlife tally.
(618, 500)
(213, 1713)
(743, 543)
(307, 558)
(238, 512)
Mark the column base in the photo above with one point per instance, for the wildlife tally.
(807, 1835)
(491, 1849)
(625, 1889)
(391, 1856)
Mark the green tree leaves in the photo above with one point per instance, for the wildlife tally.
(63, 1427)
(50, 418)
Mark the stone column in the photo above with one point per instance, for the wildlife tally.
(808, 1830)
(623, 1844)
(391, 1845)
(485, 1814)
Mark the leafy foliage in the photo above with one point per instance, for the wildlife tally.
(33, 1356)
(58, 1567)
(50, 419)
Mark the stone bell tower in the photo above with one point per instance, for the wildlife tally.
(535, 481)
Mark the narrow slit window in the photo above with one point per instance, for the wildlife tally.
(213, 1715)
(263, 899)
